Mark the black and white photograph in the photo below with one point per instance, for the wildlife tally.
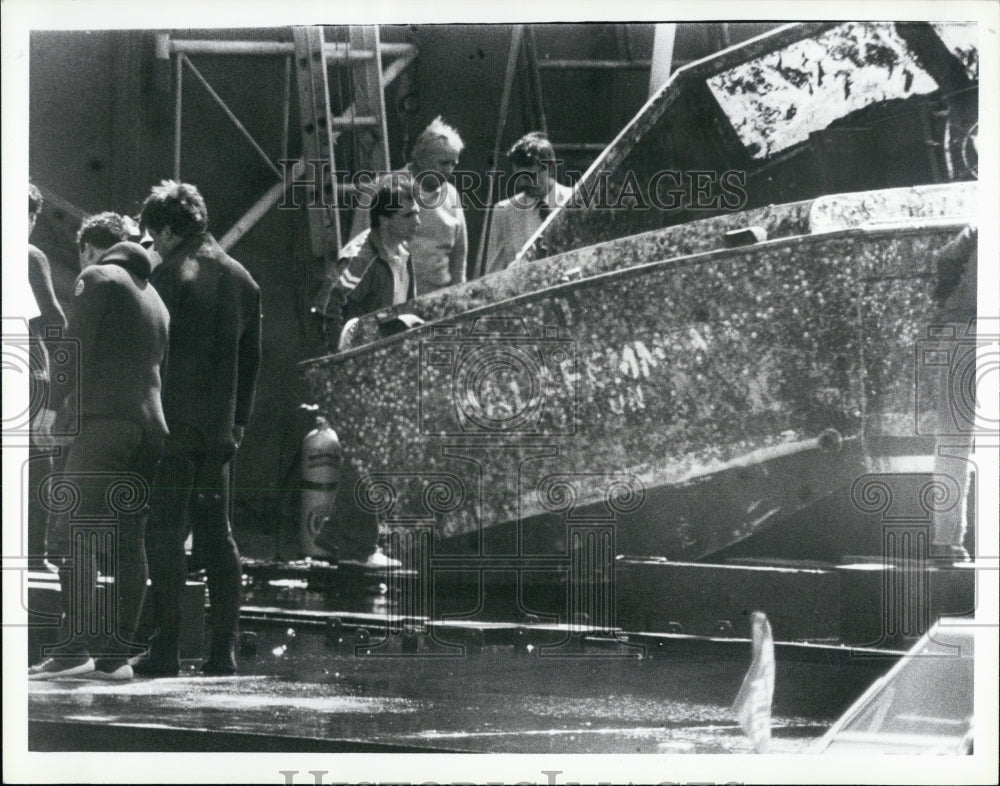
(612, 392)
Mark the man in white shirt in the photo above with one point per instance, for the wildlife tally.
(438, 248)
(515, 220)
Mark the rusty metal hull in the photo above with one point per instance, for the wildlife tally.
(671, 408)
(823, 214)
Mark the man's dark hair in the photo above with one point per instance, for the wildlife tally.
(177, 206)
(35, 200)
(532, 148)
(102, 231)
(392, 194)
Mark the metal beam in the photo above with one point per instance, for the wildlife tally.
(229, 113)
(333, 50)
(178, 105)
(405, 53)
(600, 65)
(270, 198)
(513, 55)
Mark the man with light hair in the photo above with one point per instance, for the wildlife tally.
(438, 249)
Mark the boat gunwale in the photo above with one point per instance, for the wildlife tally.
(872, 231)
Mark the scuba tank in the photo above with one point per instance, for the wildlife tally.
(321, 463)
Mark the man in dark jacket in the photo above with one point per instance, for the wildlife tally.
(214, 356)
(122, 326)
(374, 269)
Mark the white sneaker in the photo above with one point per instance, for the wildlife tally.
(62, 666)
(378, 559)
(121, 674)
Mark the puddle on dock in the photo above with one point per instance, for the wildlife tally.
(496, 701)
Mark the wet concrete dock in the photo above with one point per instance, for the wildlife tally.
(309, 697)
(358, 677)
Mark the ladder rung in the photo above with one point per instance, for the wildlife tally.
(347, 123)
(337, 51)
(397, 50)
(601, 65)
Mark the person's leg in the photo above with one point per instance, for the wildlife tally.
(166, 531)
(79, 492)
(951, 471)
(40, 463)
(955, 399)
(211, 526)
(40, 466)
(129, 558)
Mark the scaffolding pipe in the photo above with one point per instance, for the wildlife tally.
(286, 108)
(259, 209)
(516, 36)
(398, 66)
(270, 198)
(663, 55)
(231, 116)
(600, 65)
(332, 49)
(406, 54)
(177, 117)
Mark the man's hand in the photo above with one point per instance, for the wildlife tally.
(237, 436)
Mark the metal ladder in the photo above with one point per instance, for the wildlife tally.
(365, 118)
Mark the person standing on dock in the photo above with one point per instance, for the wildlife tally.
(121, 325)
(515, 220)
(955, 267)
(375, 269)
(215, 349)
(48, 315)
(439, 247)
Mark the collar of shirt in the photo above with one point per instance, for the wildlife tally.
(433, 192)
(393, 256)
(551, 200)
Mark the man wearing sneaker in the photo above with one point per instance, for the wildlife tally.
(955, 293)
(122, 326)
(215, 316)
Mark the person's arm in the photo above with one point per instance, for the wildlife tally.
(248, 363)
(40, 279)
(90, 303)
(459, 251)
(351, 284)
(497, 256)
